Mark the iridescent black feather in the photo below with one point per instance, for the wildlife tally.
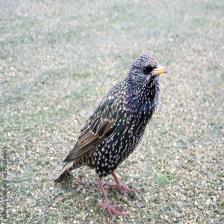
(118, 123)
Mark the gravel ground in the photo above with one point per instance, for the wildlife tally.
(58, 58)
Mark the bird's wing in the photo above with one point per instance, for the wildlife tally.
(91, 135)
(100, 125)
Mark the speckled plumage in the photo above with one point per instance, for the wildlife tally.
(118, 123)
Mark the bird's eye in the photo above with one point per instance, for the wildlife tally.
(147, 69)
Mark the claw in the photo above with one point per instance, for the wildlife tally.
(121, 187)
(113, 210)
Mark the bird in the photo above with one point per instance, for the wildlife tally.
(116, 127)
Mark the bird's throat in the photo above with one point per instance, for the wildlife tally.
(142, 98)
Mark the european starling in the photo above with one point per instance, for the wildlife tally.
(117, 125)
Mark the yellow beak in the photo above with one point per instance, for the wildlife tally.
(160, 70)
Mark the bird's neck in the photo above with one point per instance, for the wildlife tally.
(143, 97)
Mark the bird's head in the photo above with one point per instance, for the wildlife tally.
(146, 68)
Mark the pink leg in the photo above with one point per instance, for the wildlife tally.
(114, 210)
(120, 186)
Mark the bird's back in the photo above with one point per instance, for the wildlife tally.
(98, 127)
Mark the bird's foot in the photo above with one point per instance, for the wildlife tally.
(113, 210)
(121, 187)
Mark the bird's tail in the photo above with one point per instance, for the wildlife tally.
(64, 172)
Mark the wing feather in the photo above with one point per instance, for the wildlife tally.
(91, 135)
